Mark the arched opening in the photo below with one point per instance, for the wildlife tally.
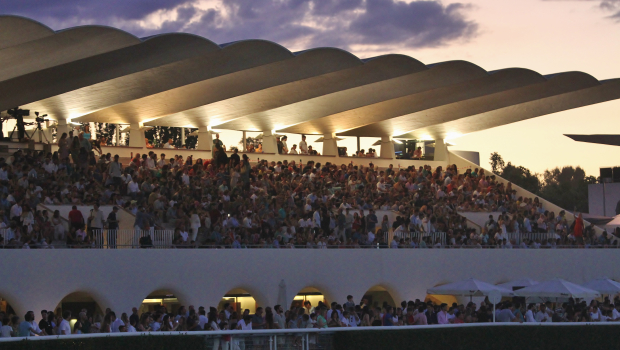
(77, 302)
(239, 299)
(6, 307)
(160, 300)
(378, 296)
(308, 294)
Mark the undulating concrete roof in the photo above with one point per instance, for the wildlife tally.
(102, 74)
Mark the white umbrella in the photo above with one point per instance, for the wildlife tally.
(615, 221)
(320, 139)
(523, 282)
(470, 287)
(396, 142)
(603, 285)
(557, 288)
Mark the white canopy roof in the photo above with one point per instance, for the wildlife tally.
(615, 221)
(603, 285)
(470, 287)
(523, 282)
(557, 288)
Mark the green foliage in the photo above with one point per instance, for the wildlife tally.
(107, 130)
(566, 187)
(518, 175)
(150, 342)
(483, 338)
(158, 135)
(497, 163)
(521, 177)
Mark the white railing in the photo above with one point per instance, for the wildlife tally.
(307, 338)
(124, 239)
(518, 237)
(417, 236)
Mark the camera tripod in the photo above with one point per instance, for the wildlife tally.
(38, 128)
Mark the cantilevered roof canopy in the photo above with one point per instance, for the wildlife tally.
(15, 30)
(321, 77)
(101, 74)
(492, 99)
(612, 140)
(65, 46)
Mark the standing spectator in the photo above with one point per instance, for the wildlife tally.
(115, 170)
(285, 149)
(65, 326)
(115, 323)
(217, 143)
(112, 221)
(96, 219)
(26, 328)
(76, 219)
(578, 230)
(303, 146)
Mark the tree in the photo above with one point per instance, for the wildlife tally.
(566, 187)
(497, 163)
(521, 177)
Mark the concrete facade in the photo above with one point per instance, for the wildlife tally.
(121, 279)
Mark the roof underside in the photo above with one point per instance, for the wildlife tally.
(102, 74)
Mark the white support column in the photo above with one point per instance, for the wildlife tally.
(270, 144)
(182, 137)
(387, 148)
(136, 136)
(63, 126)
(118, 134)
(205, 141)
(330, 146)
(245, 146)
(441, 150)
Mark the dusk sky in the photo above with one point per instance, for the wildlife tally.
(546, 36)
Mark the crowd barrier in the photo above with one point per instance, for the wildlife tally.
(124, 239)
(540, 236)
(416, 236)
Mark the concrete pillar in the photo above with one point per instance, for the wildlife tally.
(270, 145)
(118, 134)
(245, 146)
(182, 137)
(63, 126)
(136, 136)
(358, 145)
(330, 146)
(205, 141)
(387, 148)
(441, 150)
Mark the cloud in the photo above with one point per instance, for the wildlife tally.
(605, 5)
(387, 24)
(612, 6)
(88, 9)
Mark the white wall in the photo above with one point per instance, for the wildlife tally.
(603, 198)
(120, 279)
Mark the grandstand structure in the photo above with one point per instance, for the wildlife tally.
(102, 74)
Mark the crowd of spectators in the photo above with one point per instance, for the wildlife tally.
(228, 202)
(321, 316)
